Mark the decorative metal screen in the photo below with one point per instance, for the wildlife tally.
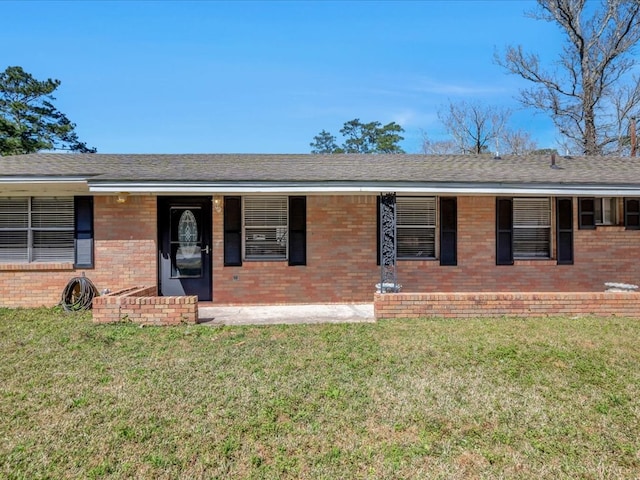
(39, 229)
(265, 228)
(531, 228)
(388, 252)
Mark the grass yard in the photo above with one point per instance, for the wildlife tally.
(499, 398)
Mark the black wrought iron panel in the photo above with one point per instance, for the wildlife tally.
(388, 248)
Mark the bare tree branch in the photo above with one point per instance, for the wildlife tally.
(474, 126)
(518, 142)
(595, 66)
(439, 147)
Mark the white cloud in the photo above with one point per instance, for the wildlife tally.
(412, 118)
(429, 86)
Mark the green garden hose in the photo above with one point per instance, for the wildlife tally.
(78, 294)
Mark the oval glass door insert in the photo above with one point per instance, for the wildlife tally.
(187, 261)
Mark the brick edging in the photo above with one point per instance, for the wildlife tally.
(478, 304)
(141, 305)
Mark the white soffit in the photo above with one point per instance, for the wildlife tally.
(30, 187)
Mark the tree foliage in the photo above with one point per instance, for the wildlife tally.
(324, 142)
(592, 93)
(372, 137)
(29, 122)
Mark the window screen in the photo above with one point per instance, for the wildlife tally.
(606, 211)
(39, 229)
(531, 228)
(265, 228)
(416, 227)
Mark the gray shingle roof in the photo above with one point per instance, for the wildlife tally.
(308, 168)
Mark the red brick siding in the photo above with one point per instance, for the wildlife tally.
(126, 242)
(462, 305)
(142, 306)
(125, 255)
(341, 258)
(599, 255)
(341, 262)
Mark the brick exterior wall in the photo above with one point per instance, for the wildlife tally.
(126, 242)
(463, 305)
(125, 254)
(341, 259)
(600, 256)
(142, 306)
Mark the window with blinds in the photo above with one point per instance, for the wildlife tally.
(606, 211)
(531, 228)
(265, 228)
(416, 227)
(37, 229)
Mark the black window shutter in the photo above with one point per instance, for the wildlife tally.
(83, 232)
(586, 213)
(564, 229)
(378, 231)
(504, 231)
(232, 231)
(632, 213)
(297, 230)
(448, 231)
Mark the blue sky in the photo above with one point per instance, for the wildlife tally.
(265, 76)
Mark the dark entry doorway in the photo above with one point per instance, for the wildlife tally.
(184, 230)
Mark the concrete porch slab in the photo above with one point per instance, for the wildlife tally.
(210, 314)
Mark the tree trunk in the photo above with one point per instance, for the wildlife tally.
(590, 141)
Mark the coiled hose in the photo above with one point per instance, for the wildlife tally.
(78, 294)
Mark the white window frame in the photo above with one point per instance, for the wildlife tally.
(265, 228)
(416, 220)
(532, 227)
(604, 215)
(46, 225)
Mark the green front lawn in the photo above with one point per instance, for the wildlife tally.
(498, 398)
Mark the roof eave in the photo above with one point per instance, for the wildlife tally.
(347, 188)
(43, 186)
(43, 179)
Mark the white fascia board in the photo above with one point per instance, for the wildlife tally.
(39, 180)
(355, 189)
